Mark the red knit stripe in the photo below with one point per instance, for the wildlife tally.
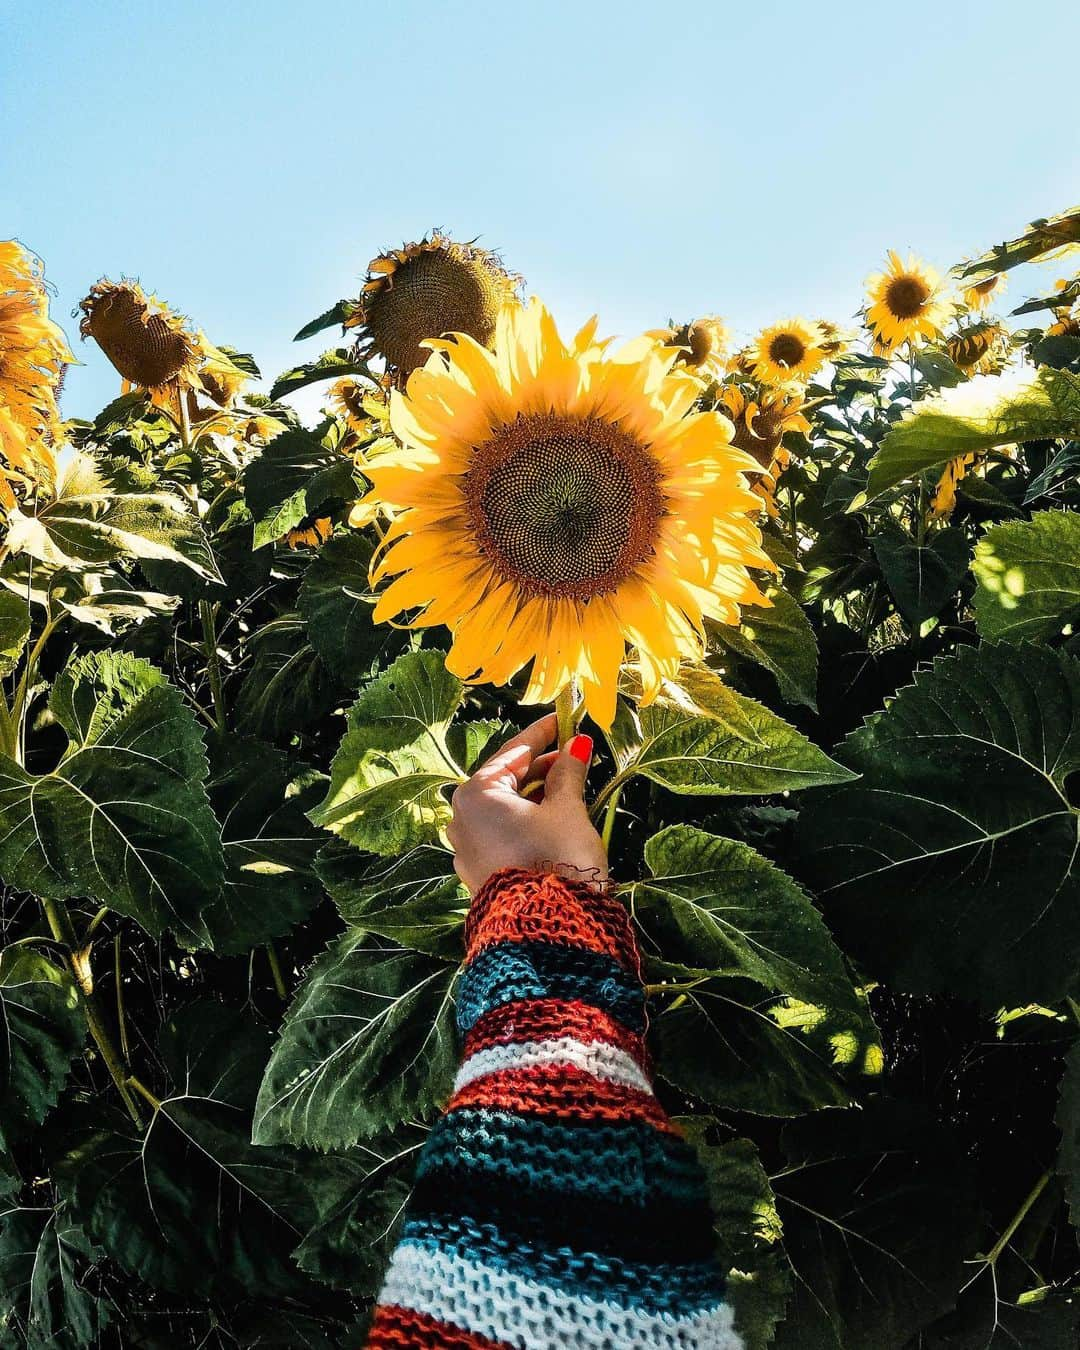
(396, 1328)
(518, 906)
(546, 1019)
(561, 1090)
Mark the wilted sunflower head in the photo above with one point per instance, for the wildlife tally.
(788, 353)
(761, 423)
(982, 347)
(555, 502)
(983, 293)
(423, 290)
(147, 343)
(906, 304)
(220, 378)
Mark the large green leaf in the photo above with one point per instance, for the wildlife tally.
(748, 1231)
(978, 416)
(1029, 577)
(334, 317)
(702, 738)
(367, 1043)
(1043, 238)
(123, 817)
(1068, 1122)
(288, 687)
(922, 578)
(415, 899)
(878, 1216)
(298, 474)
(951, 865)
(337, 603)
(191, 1205)
(44, 1304)
(780, 639)
(389, 773)
(270, 845)
(332, 365)
(42, 1029)
(88, 522)
(14, 630)
(717, 906)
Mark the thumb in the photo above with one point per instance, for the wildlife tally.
(565, 781)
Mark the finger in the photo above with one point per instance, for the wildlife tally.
(533, 787)
(565, 779)
(518, 752)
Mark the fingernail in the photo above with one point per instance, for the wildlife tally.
(581, 748)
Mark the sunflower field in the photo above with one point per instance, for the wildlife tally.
(816, 596)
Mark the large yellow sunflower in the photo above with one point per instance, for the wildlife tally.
(33, 354)
(788, 353)
(423, 290)
(907, 303)
(555, 503)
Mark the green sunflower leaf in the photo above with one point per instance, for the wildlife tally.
(42, 1029)
(922, 578)
(958, 845)
(780, 639)
(298, 474)
(978, 416)
(367, 1043)
(332, 365)
(44, 1301)
(388, 777)
(123, 817)
(1028, 574)
(14, 630)
(702, 738)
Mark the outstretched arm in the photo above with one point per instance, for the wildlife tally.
(556, 1204)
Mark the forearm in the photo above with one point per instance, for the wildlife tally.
(555, 1202)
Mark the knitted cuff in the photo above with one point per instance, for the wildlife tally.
(519, 904)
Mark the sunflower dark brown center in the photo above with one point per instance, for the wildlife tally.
(786, 349)
(143, 347)
(564, 506)
(906, 296)
(434, 293)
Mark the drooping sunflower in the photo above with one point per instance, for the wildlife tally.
(555, 503)
(423, 290)
(788, 353)
(944, 499)
(760, 426)
(907, 303)
(701, 345)
(33, 356)
(980, 347)
(150, 346)
(983, 293)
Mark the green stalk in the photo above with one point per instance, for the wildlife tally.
(63, 930)
(609, 817)
(275, 971)
(213, 664)
(565, 706)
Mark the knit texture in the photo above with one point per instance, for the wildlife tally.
(556, 1205)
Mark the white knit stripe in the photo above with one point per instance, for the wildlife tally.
(532, 1316)
(596, 1057)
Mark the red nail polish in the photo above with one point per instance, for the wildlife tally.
(581, 748)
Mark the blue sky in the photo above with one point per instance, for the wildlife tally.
(246, 159)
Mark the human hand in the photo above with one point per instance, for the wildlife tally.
(495, 826)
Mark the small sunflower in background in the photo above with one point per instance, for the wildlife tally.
(907, 303)
(33, 356)
(982, 294)
(980, 348)
(310, 533)
(1066, 319)
(554, 503)
(423, 290)
(944, 500)
(788, 353)
(702, 345)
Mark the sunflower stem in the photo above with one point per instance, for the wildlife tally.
(64, 931)
(609, 817)
(275, 971)
(565, 706)
(213, 663)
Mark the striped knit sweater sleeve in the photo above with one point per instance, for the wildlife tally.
(556, 1205)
